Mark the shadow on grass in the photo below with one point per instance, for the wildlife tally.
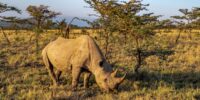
(178, 80)
(197, 97)
(162, 53)
(147, 79)
(80, 94)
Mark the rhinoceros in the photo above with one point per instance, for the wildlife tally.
(76, 56)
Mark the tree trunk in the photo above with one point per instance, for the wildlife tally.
(16, 31)
(106, 45)
(67, 28)
(139, 60)
(30, 39)
(138, 56)
(38, 30)
(190, 34)
(66, 32)
(4, 34)
(37, 44)
(179, 35)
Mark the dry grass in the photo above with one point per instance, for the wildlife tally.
(170, 72)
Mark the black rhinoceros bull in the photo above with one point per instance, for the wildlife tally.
(76, 56)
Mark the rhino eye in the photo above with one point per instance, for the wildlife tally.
(101, 63)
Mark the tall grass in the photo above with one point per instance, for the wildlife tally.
(169, 72)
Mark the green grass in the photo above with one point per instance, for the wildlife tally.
(170, 72)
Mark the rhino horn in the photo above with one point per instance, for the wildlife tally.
(120, 80)
(114, 73)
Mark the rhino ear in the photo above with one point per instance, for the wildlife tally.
(101, 63)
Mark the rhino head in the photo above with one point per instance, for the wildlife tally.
(106, 77)
(102, 70)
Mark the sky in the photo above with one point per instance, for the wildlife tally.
(78, 8)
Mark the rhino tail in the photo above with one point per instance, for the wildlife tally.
(45, 58)
(49, 66)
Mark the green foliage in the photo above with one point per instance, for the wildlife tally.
(40, 15)
(124, 19)
(5, 8)
(196, 17)
(48, 24)
(189, 19)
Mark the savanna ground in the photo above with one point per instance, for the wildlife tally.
(168, 72)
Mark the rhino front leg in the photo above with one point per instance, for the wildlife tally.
(86, 79)
(75, 76)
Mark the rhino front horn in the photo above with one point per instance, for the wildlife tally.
(119, 80)
(113, 74)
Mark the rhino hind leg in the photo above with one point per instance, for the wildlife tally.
(49, 67)
(86, 79)
(58, 74)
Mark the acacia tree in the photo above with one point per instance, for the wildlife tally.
(164, 24)
(180, 25)
(196, 16)
(188, 21)
(185, 21)
(67, 28)
(48, 24)
(39, 15)
(61, 25)
(6, 8)
(123, 18)
(64, 27)
(16, 23)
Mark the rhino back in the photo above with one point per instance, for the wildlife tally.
(62, 52)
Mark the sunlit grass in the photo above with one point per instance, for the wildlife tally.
(173, 72)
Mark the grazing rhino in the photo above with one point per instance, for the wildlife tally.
(76, 56)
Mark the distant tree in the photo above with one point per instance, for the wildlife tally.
(180, 25)
(6, 8)
(164, 24)
(48, 24)
(95, 24)
(123, 18)
(67, 28)
(61, 25)
(40, 14)
(185, 21)
(64, 27)
(195, 13)
(16, 23)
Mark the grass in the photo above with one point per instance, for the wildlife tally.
(169, 72)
